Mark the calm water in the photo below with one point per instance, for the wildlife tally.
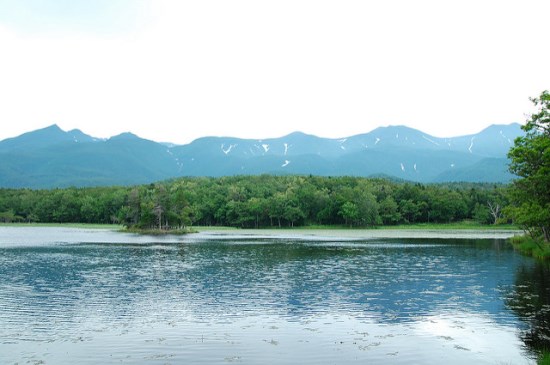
(73, 296)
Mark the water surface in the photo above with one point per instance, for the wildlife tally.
(89, 296)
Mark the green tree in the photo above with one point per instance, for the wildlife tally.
(277, 205)
(257, 207)
(9, 216)
(349, 212)
(530, 161)
(389, 211)
(410, 210)
(89, 209)
(132, 213)
(482, 214)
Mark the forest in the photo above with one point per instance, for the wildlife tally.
(259, 201)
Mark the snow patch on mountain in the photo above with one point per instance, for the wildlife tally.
(471, 145)
(378, 152)
(342, 141)
(506, 138)
(430, 140)
(226, 151)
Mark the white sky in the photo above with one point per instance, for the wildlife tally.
(178, 70)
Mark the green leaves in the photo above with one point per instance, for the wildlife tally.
(539, 122)
(530, 160)
(256, 201)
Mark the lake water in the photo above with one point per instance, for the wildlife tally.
(76, 296)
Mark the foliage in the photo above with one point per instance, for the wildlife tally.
(530, 161)
(256, 201)
(531, 247)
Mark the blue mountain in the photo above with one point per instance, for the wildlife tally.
(51, 157)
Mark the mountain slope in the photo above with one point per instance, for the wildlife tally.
(51, 157)
(124, 159)
(493, 170)
(42, 138)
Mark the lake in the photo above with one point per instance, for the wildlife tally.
(88, 296)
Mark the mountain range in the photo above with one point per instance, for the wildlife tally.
(51, 157)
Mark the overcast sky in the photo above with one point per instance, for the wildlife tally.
(178, 70)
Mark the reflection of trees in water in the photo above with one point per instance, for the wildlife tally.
(530, 300)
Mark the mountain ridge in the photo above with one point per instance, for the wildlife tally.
(50, 157)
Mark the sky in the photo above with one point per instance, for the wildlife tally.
(176, 70)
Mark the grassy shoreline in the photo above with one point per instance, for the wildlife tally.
(462, 230)
(420, 226)
(365, 234)
(531, 247)
(64, 225)
(465, 225)
(157, 232)
(544, 358)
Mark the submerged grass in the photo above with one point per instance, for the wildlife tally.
(453, 226)
(464, 225)
(544, 358)
(158, 232)
(66, 225)
(531, 247)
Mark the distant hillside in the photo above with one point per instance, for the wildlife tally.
(51, 157)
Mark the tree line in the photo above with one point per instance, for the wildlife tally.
(259, 201)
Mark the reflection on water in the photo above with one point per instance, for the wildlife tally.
(268, 300)
(530, 299)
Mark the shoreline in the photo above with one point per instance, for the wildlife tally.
(363, 233)
(330, 233)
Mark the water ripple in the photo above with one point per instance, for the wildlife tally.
(258, 300)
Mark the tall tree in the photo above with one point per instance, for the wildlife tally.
(530, 161)
(349, 212)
